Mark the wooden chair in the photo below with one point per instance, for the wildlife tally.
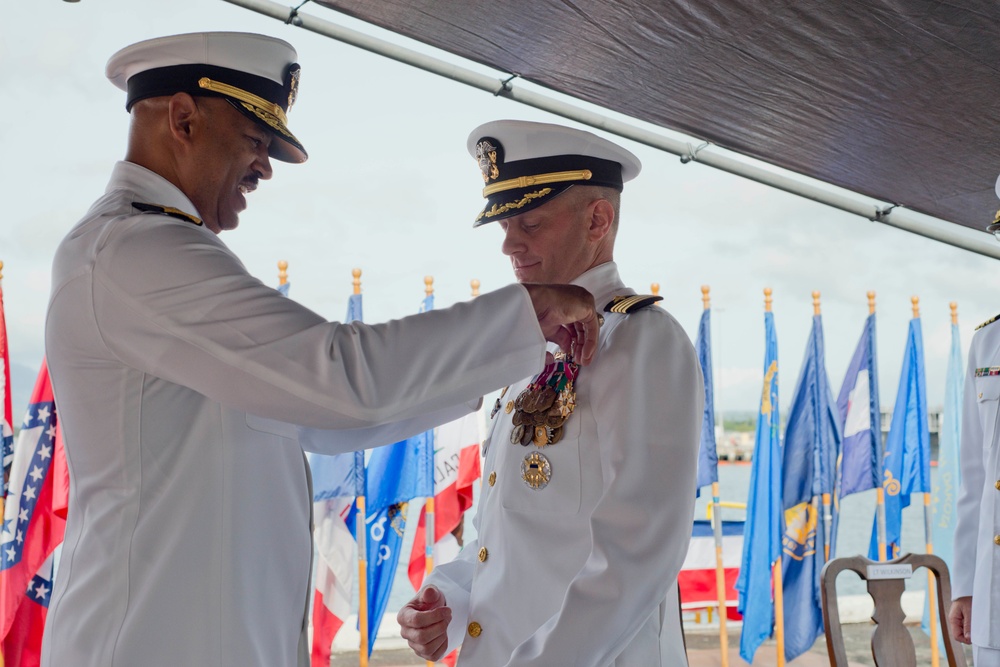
(892, 645)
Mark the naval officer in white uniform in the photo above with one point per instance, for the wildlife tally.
(177, 376)
(975, 577)
(585, 516)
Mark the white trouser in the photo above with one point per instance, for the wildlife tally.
(985, 657)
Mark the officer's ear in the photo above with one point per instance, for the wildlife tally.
(182, 111)
(602, 218)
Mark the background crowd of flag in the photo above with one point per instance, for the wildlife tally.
(829, 449)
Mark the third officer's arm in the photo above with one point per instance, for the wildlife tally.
(970, 495)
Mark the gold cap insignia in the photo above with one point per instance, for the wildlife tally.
(487, 155)
(292, 75)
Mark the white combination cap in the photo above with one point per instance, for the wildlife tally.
(526, 164)
(257, 74)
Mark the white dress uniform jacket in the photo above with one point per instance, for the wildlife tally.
(583, 572)
(976, 570)
(188, 538)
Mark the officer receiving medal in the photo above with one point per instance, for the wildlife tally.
(585, 518)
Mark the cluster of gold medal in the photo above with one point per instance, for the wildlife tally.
(545, 405)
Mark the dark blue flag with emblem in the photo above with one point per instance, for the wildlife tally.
(812, 441)
(395, 475)
(762, 530)
(906, 466)
(708, 458)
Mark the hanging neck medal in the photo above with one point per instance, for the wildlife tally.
(540, 412)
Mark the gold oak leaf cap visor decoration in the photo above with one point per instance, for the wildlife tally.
(525, 164)
(257, 74)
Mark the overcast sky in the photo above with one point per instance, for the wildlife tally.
(390, 189)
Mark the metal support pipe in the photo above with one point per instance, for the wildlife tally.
(889, 214)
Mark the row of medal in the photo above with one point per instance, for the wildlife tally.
(545, 404)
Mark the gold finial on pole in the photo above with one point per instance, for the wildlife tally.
(705, 299)
(871, 303)
(953, 305)
(282, 272)
(428, 285)
(654, 288)
(357, 280)
(815, 302)
(915, 300)
(767, 299)
(474, 283)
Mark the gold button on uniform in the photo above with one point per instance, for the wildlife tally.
(996, 540)
(997, 485)
(493, 479)
(475, 629)
(509, 407)
(483, 555)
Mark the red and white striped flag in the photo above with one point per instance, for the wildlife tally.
(697, 577)
(456, 468)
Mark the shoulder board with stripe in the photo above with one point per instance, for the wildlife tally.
(166, 210)
(989, 321)
(631, 303)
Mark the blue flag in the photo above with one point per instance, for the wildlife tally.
(708, 458)
(812, 442)
(906, 465)
(944, 491)
(858, 405)
(342, 475)
(763, 527)
(395, 474)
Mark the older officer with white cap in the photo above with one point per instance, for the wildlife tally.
(178, 376)
(585, 518)
(975, 577)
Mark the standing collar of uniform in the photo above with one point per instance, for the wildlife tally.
(603, 282)
(149, 187)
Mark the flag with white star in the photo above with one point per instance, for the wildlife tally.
(35, 510)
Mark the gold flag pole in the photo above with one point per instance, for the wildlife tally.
(827, 512)
(282, 272)
(360, 535)
(779, 600)
(720, 574)
(879, 490)
(654, 289)
(429, 503)
(931, 591)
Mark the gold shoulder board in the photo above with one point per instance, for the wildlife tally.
(989, 321)
(166, 210)
(631, 303)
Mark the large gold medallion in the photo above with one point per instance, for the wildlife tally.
(536, 471)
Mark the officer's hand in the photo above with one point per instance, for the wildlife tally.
(960, 619)
(567, 317)
(423, 623)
